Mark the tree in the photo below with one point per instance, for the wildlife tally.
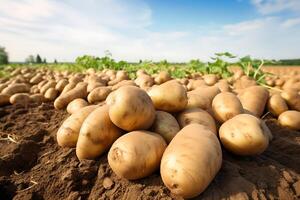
(38, 59)
(55, 61)
(3, 56)
(44, 61)
(30, 59)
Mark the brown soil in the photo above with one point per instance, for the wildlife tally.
(33, 166)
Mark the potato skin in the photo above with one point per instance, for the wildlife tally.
(290, 119)
(67, 134)
(292, 98)
(97, 134)
(51, 94)
(191, 161)
(130, 108)
(65, 98)
(16, 88)
(76, 105)
(254, 99)
(226, 105)
(136, 154)
(20, 98)
(245, 135)
(166, 100)
(166, 125)
(198, 116)
(98, 94)
(277, 105)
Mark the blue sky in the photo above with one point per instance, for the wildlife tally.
(177, 30)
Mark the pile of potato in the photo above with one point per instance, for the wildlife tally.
(156, 122)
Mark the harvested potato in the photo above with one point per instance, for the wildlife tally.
(65, 98)
(97, 134)
(210, 79)
(61, 84)
(51, 94)
(191, 161)
(198, 101)
(68, 132)
(68, 87)
(16, 88)
(205, 95)
(130, 108)
(136, 154)
(254, 99)
(123, 83)
(292, 98)
(245, 135)
(277, 105)
(98, 94)
(198, 116)
(20, 98)
(162, 77)
(37, 98)
(166, 125)
(225, 106)
(169, 96)
(50, 84)
(290, 119)
(76, 105)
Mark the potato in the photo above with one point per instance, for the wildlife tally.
(37, 98)
(2, 86)
(292, 98)
(64, 99)
(166, 125)
(61, 84)
(277, 105)
(225, 106)
(244, 82)
(144, 81)
(162, 77)
(123, 83)
(76, 105)
(50, 84)
(290, 119)
(254, 99)
(210, 79)
(198, 116)
(42, 83)
(130, 108)
(36, 79)
(16, 88)
(97, 134)
(20, 98)
(198, 101)
(223, 85)
(208, 92)
(4, 99)
(51, 94)
(68, 87)
(169, 96)
(136, 154)
(68, 132)
(191, 161)
(245, 135)
(98, 94)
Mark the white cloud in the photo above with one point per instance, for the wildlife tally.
(275, 6)
(67, 29)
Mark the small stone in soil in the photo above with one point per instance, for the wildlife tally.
(107, 183)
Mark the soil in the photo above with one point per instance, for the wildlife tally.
(33, 166)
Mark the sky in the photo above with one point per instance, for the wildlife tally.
(176, 30)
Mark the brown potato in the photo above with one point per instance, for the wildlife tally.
(20, 98)
(51, 94)
(254, 99)
(16, 88)
(292, 98)
(290, 119)
(65, 98)
(99, 94)
(191, 161)
(76, 105)
(198, 116)
(136, 154)
(67, 134)
(166, 125)
(225, 106)
(130, 108)
(277, 105)
(245, 134)
(164, 99)
(61, 84)
(97, 134)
